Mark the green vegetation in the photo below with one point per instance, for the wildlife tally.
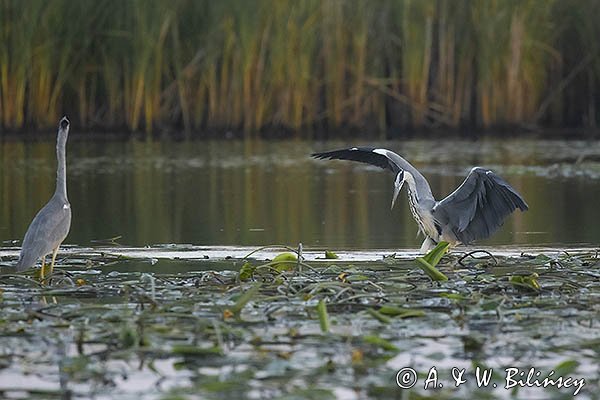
(429, 261)
(212, 66)
(187, 328)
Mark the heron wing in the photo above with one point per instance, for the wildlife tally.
(48, 229)
(368, 155)
(478, 207)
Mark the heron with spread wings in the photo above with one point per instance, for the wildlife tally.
(475, 210)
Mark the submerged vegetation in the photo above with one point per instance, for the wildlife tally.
(114, 326)
(299, 66)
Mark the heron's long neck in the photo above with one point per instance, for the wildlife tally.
(61, 170)
(420, 208)
(420, 184)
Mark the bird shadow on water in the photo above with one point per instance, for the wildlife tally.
(270, 325)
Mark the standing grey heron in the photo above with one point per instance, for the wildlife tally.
(475, 210)
(52, 223)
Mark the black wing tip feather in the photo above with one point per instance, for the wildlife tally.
(333, 154)
(323, 156)
(515, 197)
(521, 204)
(499, 199)
(365, 155)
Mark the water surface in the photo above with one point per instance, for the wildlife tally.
(156, 322)
(257, 193)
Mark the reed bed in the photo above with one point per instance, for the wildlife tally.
(301, 68)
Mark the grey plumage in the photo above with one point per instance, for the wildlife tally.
(475, 210)
(51, 224)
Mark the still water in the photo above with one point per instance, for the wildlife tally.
(257, 192)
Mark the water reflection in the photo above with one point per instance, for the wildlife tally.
(255, 193)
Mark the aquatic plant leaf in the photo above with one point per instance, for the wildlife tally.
(194, 320)
(343, 277)
(356, 278)
(380, 342)
(246, 272)
(454, 296)
(284, 262)
(430, 270)
(565, 368)
(195, 351)
(379, 316)
(528, 282)
(244, 299)
(323, 316)
(435, 255)
(400, 312)
(428, 262)
(491, 305)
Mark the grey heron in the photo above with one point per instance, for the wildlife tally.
(52, 223)
(475, 210)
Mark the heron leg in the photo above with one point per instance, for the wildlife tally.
(44, 300)
(427, 245)
(54, 253)
(43, 269)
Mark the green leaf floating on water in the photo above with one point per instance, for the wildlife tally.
(566, 367)
(246, 271)
(379, 316)
(454, 296)
(400, 312)
(380, 342)
(195, 351)
(385, 313)
(527, 282)
(330, 255)
(428, 262)
(284, 262)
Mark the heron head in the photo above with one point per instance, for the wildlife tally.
(397, 186)
(64, 123)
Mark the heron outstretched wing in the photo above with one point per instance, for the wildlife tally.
(368, 155)
(478, 207)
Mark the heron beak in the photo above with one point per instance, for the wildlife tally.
(397, 186)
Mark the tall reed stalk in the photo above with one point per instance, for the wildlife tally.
(289, 66)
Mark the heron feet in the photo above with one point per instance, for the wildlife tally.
(43, 269)
(54, 253)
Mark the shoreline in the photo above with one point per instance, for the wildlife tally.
(174, 133)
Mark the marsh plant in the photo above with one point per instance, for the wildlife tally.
(299, 66)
